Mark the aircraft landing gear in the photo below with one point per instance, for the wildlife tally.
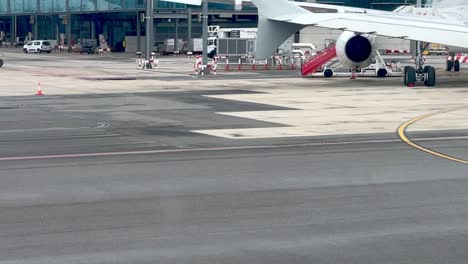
(420, 74)
(449, 65)
(409, 76)
(456, 66)
(430, 76)
(453, 63)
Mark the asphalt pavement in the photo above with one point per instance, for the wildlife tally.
(122, 179)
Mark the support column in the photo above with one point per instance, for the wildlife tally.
(153, 30)
(36, 27)
(138, 29)
(205, 32)
(68, 25)
(52, 27)
(93, 29)
(68, 30)
(57, 32)
(36, 21)
(149, 28)
(176, 44)
(189, 29)
(14, 28)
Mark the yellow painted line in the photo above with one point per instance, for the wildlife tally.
(402, 134)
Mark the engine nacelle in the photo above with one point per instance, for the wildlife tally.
(355, 51)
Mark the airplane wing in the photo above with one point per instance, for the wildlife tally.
(389, 24)
(278, 19)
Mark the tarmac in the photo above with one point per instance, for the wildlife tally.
(261, 167)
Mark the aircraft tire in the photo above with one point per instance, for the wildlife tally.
(381, 73)
(328, 73)
(1, 63)
(456, 66)
(431, 76)
(409, 76)
(449, 65)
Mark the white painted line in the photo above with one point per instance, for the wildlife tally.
(42, 129)
(103, 125)
(175, 151)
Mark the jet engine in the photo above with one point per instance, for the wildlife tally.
(355, 51)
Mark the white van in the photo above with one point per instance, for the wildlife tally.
(37, 46)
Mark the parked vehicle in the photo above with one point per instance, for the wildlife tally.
(37, 46)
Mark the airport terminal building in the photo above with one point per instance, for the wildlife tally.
(86, 19)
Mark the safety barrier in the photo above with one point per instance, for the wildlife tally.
(278, 63)
(390, 51)
(463, 58)
(200, 69)
(152, 62)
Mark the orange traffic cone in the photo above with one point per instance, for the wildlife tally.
(39, 90)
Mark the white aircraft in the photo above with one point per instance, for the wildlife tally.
(355, 48)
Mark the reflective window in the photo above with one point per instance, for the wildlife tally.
(30, 6)
(109, 4)
(3, 7)
(47, 5)
(163, 4)
(16, 6)
(130, 4)
(60, 5)
(158, 4)
(88, 5)
(75, 5)
(83, 5)
(53, 5)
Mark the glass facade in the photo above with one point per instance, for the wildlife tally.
(8, 7)
(3, 7)
(115, 19)
(51, 6)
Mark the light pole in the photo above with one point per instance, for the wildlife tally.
(149, 30)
